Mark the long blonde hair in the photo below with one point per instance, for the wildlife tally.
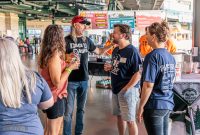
(73, 35)
(17, 82)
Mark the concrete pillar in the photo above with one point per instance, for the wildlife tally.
(12, 24)
(196, 27)
(2, 24)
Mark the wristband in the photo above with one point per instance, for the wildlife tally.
(68, 70)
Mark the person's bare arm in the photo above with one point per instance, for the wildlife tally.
(58, 77)
(134, 80)
(146, 92)
(102, 50)
(46, 104)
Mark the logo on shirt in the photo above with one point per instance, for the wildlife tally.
(116, 61)
(168, 76)
(79, 48)
(122, 60)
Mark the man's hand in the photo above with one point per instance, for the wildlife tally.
(107, 66)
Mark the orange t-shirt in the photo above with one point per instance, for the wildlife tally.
(170, 45)
(109, 51)
(144, 48)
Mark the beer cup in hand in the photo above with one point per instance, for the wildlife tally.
(107, 66)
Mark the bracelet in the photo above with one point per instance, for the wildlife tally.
(68, 70)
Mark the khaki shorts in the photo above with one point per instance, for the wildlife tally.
(125, 104)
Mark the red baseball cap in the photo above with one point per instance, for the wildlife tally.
(80, 19)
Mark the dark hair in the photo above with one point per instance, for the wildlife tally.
(124, 29)
(165, 25)
(146, 29)
(159, 31)
(53, 40)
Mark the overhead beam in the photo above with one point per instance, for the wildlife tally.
(31, 4)
(154, 5)
(9, 11)
(66, 9)
(157, 4)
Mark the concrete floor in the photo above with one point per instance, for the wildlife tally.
(98, 114)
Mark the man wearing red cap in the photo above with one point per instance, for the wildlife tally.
(79, 45)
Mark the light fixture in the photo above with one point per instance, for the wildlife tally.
(138, 2)
(39, 10)
(29, 14)
(71, 4)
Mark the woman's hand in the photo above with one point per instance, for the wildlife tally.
(140, 114)
(74, 65)
(72, 57)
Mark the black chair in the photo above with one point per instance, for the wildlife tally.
(185, 95)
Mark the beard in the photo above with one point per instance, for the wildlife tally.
(115, 41)
(78, 31)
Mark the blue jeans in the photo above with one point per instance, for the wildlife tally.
(156, 121)
(78, 89)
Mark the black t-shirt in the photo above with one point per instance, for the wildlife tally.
(81, 48)
(126, 62)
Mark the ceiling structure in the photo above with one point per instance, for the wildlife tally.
(63, 9)
(141, 4)
(53, 9)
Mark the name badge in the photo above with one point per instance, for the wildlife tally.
(122, 60)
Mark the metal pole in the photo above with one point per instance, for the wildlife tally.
(190, 111)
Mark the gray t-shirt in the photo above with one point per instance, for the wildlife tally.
(25, 120)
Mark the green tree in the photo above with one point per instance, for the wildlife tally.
(197, 118)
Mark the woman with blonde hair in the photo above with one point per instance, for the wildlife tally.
(22, 92)
(55, 71)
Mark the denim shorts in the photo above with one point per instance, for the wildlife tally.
(125, 104)
(57, 110)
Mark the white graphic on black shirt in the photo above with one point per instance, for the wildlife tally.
(116, 61)
(79, 48)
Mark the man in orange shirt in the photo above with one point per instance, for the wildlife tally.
(108, 43)
(170, 45)
(144, 48)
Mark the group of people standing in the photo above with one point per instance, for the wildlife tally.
(154, 77)
(63, 78)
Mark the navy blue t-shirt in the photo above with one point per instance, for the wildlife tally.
(81, 48)
(126, 62)
(159, 68)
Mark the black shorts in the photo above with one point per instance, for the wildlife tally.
(57, 110)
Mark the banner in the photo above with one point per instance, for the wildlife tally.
(129, 21)
(146, 18)
(121, 17)
(98, 19)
